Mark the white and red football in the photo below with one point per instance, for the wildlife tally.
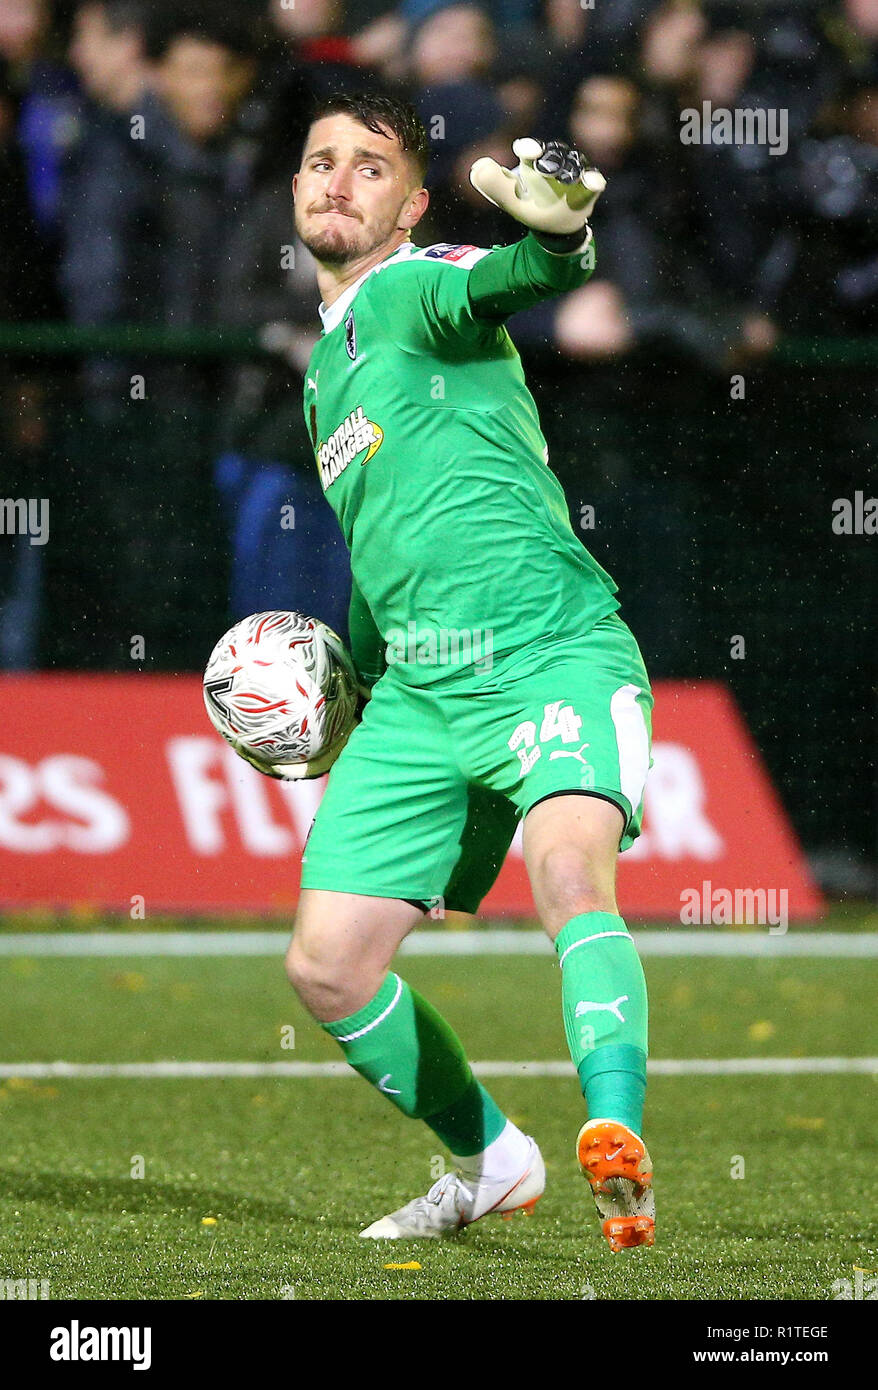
(281, 689)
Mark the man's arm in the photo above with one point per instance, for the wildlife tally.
(552, 193)
(465, 300)
(467, 291)
(367, 643)
(516, 277)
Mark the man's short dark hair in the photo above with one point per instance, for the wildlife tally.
(374, 111)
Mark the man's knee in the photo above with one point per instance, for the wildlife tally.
(342, 948)
(570, 847)
(572, 871)
(298, 965)
(320, 981)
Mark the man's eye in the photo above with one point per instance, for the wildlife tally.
(370, 170)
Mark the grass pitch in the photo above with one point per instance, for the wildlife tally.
(257, 1188)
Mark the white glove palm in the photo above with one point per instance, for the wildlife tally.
(293, 772)
(549, 190)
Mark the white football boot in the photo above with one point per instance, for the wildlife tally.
(459, 1199)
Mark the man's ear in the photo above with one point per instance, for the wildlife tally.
(295, 184)
(415, 209)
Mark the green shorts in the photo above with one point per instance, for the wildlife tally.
(425, 798)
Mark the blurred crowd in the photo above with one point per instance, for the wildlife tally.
(147, 147)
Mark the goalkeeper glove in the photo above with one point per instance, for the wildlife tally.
(550, 190)
(294, 772)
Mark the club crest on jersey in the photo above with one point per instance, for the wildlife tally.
(443, 251)
(350, 438)
(350, 336)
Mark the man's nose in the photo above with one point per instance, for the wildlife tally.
(339, 185)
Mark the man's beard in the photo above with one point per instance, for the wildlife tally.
(330, 249)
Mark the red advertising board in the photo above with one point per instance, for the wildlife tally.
(115, 791)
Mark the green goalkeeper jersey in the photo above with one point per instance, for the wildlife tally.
(430, 452)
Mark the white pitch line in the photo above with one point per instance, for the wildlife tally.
(490, 942)
(697, 1066)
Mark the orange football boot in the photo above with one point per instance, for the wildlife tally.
(617, 1167)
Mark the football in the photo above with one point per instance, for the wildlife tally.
(281, 689)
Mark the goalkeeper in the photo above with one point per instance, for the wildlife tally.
(504, 684)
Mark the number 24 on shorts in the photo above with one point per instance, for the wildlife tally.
(559, 721)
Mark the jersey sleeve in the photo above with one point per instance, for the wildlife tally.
(519, 276)
(466, 291)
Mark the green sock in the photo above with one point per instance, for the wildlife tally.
(402, 1045)
(603, 997)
